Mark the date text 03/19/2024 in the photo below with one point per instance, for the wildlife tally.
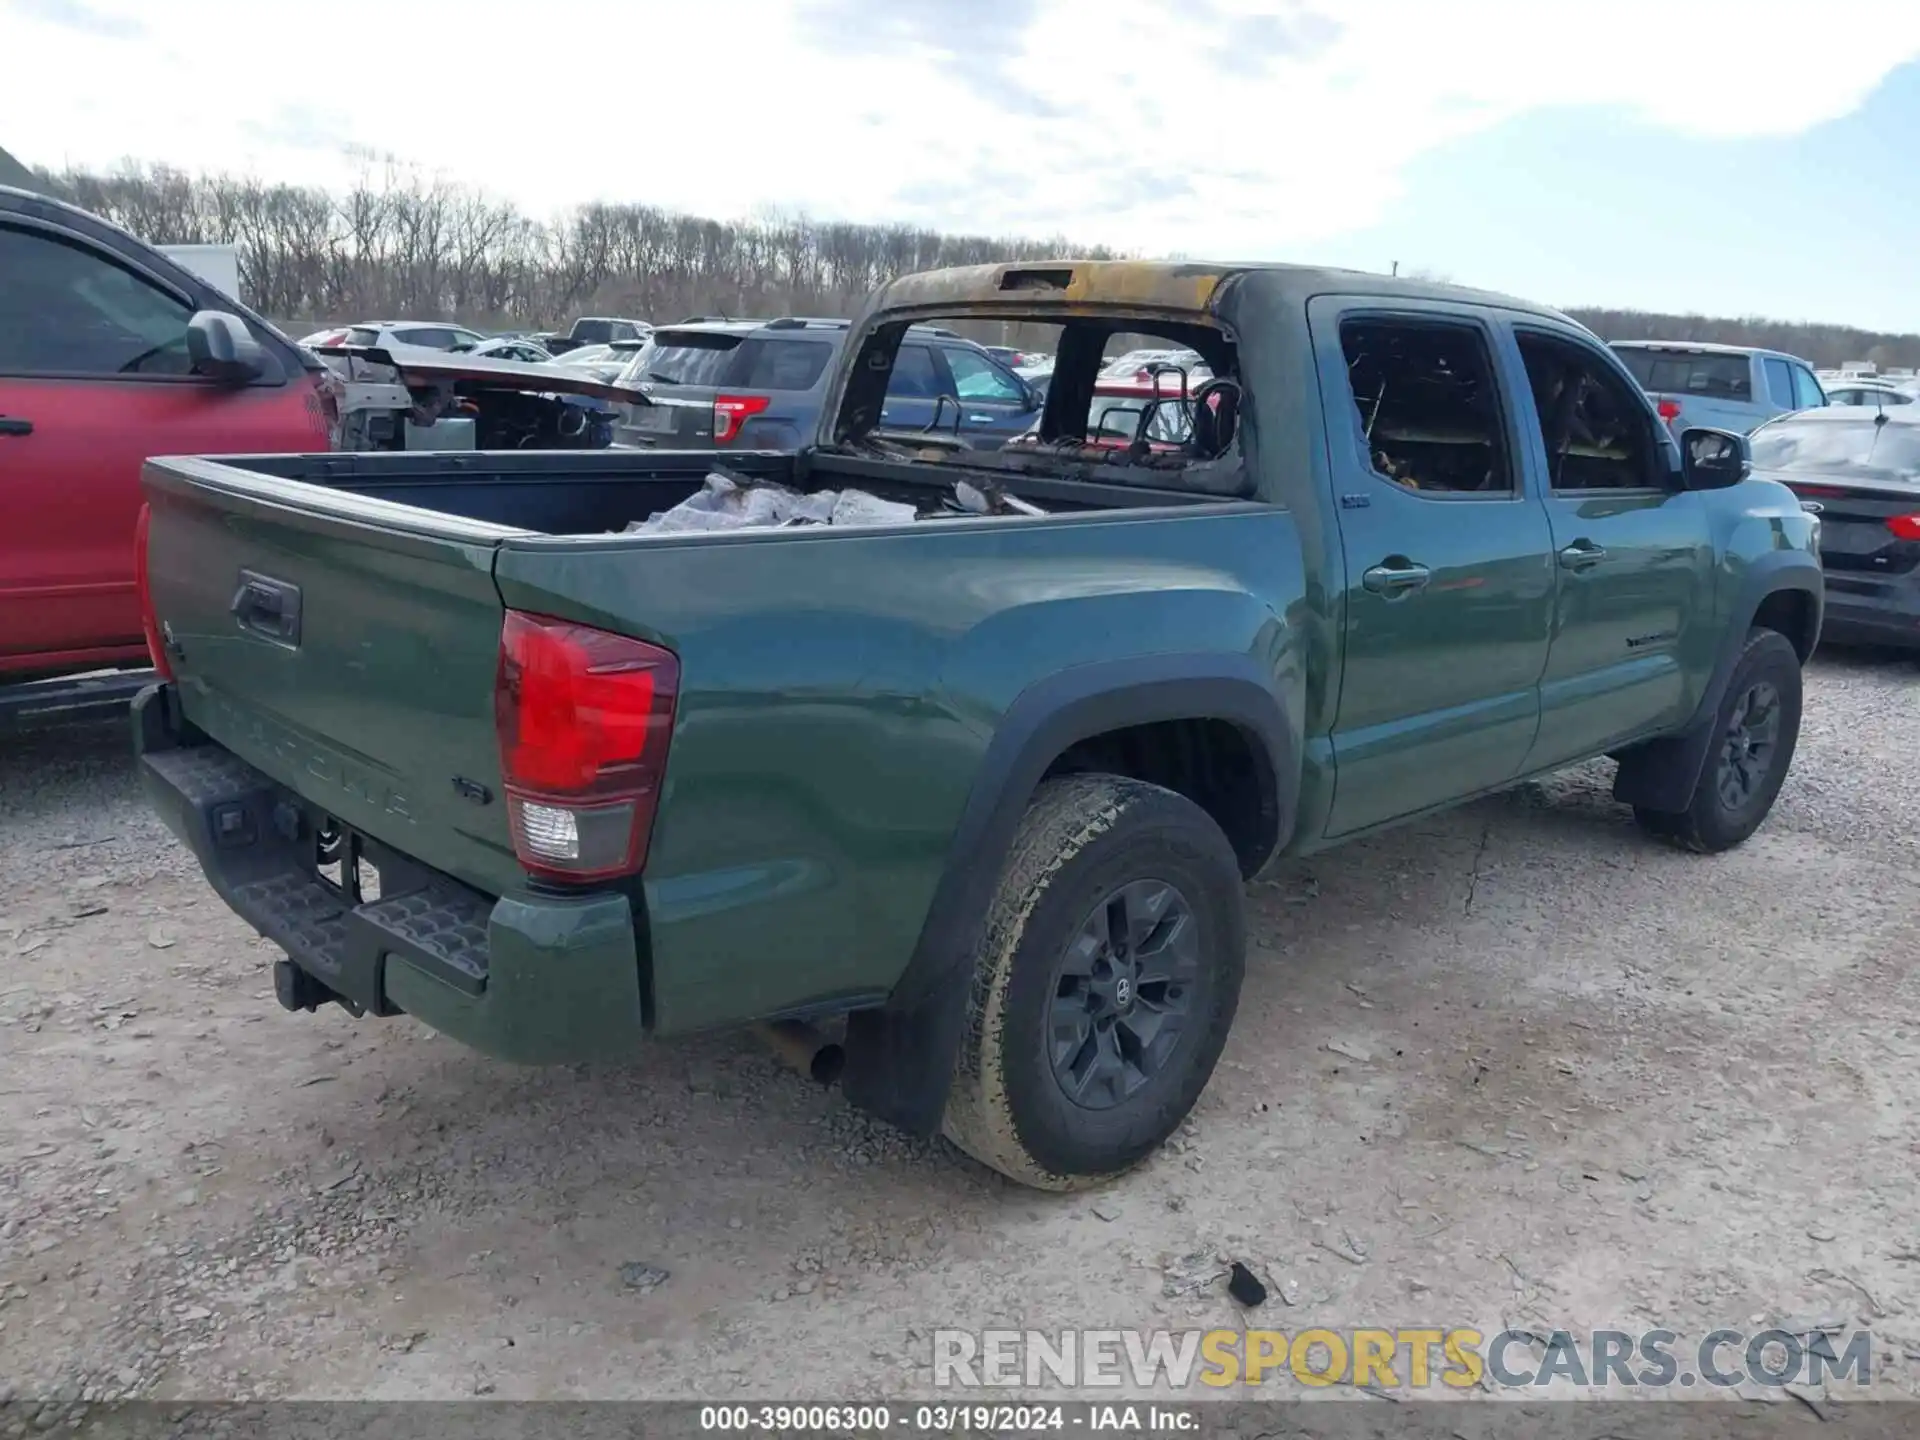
(946, 1418)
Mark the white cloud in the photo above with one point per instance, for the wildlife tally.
(1219, 126)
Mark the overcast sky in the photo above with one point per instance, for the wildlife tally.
(1747, 156)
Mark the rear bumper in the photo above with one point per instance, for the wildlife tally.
(1872, 612)
(532, 979)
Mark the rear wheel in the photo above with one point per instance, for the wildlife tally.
(1754, 736)
(1105, 985)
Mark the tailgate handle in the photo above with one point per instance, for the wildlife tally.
(268, 607)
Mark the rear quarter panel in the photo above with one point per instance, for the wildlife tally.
(839, 691)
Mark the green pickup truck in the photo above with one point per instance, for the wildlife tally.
(978, 791)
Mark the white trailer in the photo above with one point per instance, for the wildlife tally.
(218, 265)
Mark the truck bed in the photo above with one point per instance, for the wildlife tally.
(600, 492)
(334, 623)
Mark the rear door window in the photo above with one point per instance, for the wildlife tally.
(431, 337)
(1780, 384)
(787, 364)
(1690, 372)
(1427, 406)
(68, 310)
(687, 357)
(914, 374)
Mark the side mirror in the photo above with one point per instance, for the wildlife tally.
(1714, 459)
(222, 348)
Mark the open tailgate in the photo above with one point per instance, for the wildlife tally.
(377, 624)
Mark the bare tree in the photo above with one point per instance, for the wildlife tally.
(397, 242)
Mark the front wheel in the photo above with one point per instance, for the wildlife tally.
(1105, 985)
(1755, 732)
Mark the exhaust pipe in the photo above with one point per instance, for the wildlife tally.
(803, 1049)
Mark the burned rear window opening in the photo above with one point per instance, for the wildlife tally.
(1172, 426)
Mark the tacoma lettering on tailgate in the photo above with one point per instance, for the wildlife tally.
(312, 759)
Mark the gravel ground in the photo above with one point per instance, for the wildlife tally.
(1516, 1064)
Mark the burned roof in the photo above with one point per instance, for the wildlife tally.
(1181, 287)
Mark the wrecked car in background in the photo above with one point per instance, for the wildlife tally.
(421, 400)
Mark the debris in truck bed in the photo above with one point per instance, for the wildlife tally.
(856, 507)
(736, 502)
(990, 498)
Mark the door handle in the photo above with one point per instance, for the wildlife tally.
(268, 607)
(1582, 555)
(14, 425)
(1396, 577)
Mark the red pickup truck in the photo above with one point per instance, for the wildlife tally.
(111, 353)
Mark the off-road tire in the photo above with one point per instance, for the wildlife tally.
(1709, 824)
(1083, 837)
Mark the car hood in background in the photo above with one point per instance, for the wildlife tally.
(486, 372)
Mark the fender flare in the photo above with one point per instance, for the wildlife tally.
(900, 1056)
(1661, 774)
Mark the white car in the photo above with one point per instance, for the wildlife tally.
(1137, 364)
(603, 362)
(512, 348)
(418, 334)
(1857, 391)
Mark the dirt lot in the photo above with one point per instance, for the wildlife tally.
(1576, 1079)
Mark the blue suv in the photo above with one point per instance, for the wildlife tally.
(760, 385)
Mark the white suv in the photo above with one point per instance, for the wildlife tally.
(420, 334)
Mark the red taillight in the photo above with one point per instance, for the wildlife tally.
(583, 718)
(731, 412)
(149, 622)
(1904, 527)
(1669, 410)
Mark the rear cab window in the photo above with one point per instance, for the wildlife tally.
(1706, 373)
(1091, 425)
(687, 357)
